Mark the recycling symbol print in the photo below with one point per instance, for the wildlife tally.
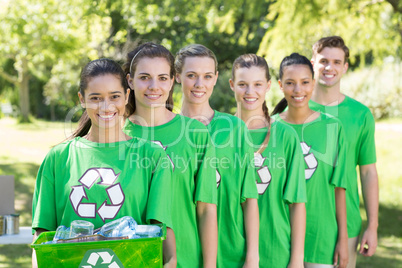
(164, 148)
(263, 173)
(310, 160)
(114, 192)
(218, 179)
(100, 258)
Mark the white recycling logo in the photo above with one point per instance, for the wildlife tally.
(218, 179)
(101, 258)
(115, 193)
(263, 173)
(310, 160)
(164, 148)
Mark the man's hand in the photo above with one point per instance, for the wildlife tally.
(368, 244)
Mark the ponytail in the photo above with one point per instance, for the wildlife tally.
(280, 107)
(169, 102)
(83, 126)
(268, 118)
(266, 112)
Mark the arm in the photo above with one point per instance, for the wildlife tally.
(169, 248)
(252, 227)
(208, 232)
(37, 233)
(369, 181)
(341, 250)
(298, 231)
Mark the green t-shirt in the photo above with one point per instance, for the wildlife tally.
(236, 182)
(280, 182)
(188, 145)
(98, 182)
(359, 126)
(324, 149)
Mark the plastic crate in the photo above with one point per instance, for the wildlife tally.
(141, 252)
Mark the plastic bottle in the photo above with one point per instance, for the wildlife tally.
(125, 226)
(62, 232)
(148, 231)
(81, 228)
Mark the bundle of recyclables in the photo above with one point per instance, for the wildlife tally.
(123, 228)
(120, 243)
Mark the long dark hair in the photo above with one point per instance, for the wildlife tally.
(293, 59)
(147, 50)
(93, 69)
(248, 61)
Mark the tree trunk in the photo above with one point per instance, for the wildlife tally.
(52, 111)
(397, 6)
(23, 77)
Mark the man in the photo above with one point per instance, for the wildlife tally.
(330, 56)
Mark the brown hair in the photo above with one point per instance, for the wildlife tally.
(331, 41)
(148, 50)
(194, 50)
(248, 61)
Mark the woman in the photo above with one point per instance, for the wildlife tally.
(279, 163)
(98, 174)
(323, 146)
(150, 74)
(196, 68)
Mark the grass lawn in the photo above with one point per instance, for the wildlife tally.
(23, 148)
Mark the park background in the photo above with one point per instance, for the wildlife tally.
(44, 44)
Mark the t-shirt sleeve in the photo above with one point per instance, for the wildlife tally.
(249, 186)
(367, 152)
(43, 203)
(160, 193)
(339, 175)
(205, 178)
(295, 187)
(128, 128)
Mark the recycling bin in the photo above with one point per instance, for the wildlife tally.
(140, 252)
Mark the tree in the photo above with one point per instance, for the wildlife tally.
(370, 28)
(229, 28)
(50, 39)
(36, 35)
(397, 6)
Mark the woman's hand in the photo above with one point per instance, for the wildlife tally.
(251, 262)
(296, 264)
(37, 233)
(341, 253)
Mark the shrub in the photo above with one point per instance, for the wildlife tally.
(379, 88)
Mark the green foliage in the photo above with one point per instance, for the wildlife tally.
(177, 98)
(379, 88)
(36, 35)
(222, 99)
(228, 28)
(48, 42)
(61, 90)
(368, 28)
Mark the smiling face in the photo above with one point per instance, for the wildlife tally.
(151, 82)
(197, 78)
(105, 100)
(250, 86)
(297, 85)
(329, 66)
